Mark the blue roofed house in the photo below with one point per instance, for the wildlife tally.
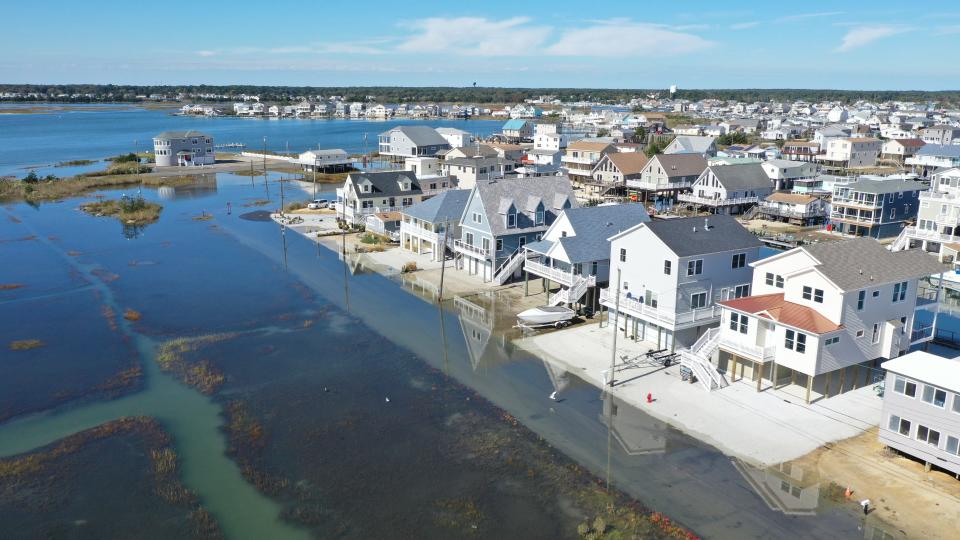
(502, 216)
(518, 129)
(575, 250)
(424, 226)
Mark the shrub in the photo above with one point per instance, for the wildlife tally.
(31, 178)
(409, 267)
(125, 158)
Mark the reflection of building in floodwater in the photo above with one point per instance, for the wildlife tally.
(636, 432)
(203, 185)
(558, 376)
(424, 288)
(484, 334)
(783, 487)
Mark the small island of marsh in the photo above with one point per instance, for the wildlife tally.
(129, 210)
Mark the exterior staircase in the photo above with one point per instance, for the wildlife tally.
(574, 293)
(697, 360)
(753, 212)
(509, 266)
(903, 241)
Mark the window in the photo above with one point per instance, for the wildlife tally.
(832, 341)
(929, 436)
(477, 218)
(795, 341)
(876, 333)
(807, 292)
(952, 446)
(861, 296)
(876, 293)
(956, 403)
(818, 296)
(739, 260)
(695, 268)
(469, 239)
(623, 255)
(698, 300)
(486, 244)
(899, 291)
(738, 323)
(779, 282)
(511, 220)
(593, 268)
(899, 425)
(769, 279)
(905, 387)
(539, 217)
(499, 244)
(650, 298)
(741, 290)
(666, 267)
(934, 396)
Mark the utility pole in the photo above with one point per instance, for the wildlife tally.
(443, 258)
(264, 160)
(314, 178)
(616, 330)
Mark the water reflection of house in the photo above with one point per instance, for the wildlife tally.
(477, 323)
(636, 432)
(203, 185)
(784, 488)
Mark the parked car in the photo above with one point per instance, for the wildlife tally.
(317, 204)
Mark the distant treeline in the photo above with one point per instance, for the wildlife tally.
(446, 94)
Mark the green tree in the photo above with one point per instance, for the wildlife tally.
(31, 178)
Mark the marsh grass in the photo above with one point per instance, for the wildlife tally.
(202, 375)
(63, 188)
(26, 344)
(132, 211)
(132, 315)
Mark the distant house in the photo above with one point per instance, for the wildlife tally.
(385, 224)
(666, 175)
(411, 141)
(424, 229)
(575, 250)
(898, 150)
(921, 408)
(455, 137)
(940, 134)
(366, 193)
(581, 158)
(791, 175)
(518, 130)
(875, 208)
(795, 208)
(688, 144)
(931, 157)
(503, 216)
(548, 137)
(800, 150)
(729, 189)
(333, 159)
(611, 174)
(183, 148)
(852, 152)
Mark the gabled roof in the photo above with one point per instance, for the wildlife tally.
(863, 262)
(940, 150)
(775, 308)
(420, 135)
(498, 195)
(691, 236)
(592, 227)
(516, 123)
(627, 162)
(674, 165)
(590, 146)
(747, 176)
(447, 205)
(910, 143)
(694, 144)
(386, 183)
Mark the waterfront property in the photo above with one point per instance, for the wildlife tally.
(666, 176)
(366, 193)
(503, 216)
(425, 225)
(411, 141)
(794, 208)
(820, 317)
(611, 174)
(921, 408)
(183, 149)
(518, 130)
(938, 220)
(575, 251)
(673, 273)
(333, 159)
(729, 189)
(787, 174)
(877, 208)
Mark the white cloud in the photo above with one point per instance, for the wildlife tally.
(801, 16)
(474, 36)
(620, 37)
(864, 35)
(744, 25)
(206, 53)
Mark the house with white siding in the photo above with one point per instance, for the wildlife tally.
(819, 318)
(729, 189)
(365, 193)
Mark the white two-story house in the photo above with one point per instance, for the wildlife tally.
(673, 273)
(729, 189)
(575, 251)
(820, 316)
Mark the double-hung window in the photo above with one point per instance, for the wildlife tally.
(795, 341)
(695, 268)
(741, 290)
(698, 300)
(666, 267)
(861, 297)
(623, 255)
(899, 291)
(934, 396)
(511, 220)
(738, 323)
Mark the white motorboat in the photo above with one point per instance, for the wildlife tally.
(546, 316)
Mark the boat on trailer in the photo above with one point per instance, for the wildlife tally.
(541, 316)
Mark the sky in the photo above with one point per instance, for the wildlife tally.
(855, 44)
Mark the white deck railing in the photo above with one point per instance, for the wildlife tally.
(711, 201)
(657, 315)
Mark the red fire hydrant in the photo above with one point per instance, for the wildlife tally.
(649, 397)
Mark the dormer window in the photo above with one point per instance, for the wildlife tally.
(511, 220)
(365, 188)
(539, 216)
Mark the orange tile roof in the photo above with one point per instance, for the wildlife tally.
(774, 307)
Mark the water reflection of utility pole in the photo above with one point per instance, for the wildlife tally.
(443, 339)
(346, 279)
(283, 238)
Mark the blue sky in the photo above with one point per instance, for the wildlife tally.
(875, 44)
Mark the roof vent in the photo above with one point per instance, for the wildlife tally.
(706, 224)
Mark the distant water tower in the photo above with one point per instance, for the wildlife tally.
(673, 89)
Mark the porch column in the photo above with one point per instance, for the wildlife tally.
(758, 373)
(773, 374)
(843, 374)
(733, 360)
(809, 386)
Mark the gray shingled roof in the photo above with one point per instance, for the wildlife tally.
(889, 185)
(421, 135)
(747, 176)
(498, 195)
(864, 262)
(593, 226)
(676, 165)
(690, 236)
(181, 134)
(386, 183)
(696, 144)
(446, 205)
(940, 150)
